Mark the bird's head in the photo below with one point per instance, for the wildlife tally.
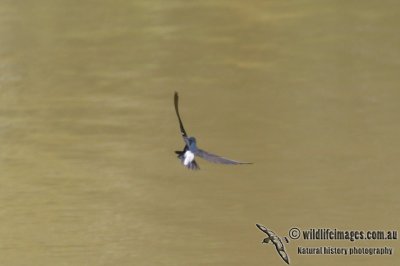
(192, 140)
(265, 241)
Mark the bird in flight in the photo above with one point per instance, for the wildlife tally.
(187, 155)
(276, 241)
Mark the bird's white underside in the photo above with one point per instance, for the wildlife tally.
(189, 157)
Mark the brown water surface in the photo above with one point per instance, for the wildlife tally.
(307, 90)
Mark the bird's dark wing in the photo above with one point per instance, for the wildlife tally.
(215, 158)
(176, 100)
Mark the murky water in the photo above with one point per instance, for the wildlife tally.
(307, 90)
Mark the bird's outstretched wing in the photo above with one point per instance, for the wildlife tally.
(276, 241)
(283, 254)
(215, 158)
(176, 100)
(265, 230)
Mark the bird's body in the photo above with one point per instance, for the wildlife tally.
(190, 150)
(276, 241)
(188, 153)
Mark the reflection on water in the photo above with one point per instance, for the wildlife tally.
(306, 90)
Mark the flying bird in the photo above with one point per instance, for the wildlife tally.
(276, 241)
(190, 151)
